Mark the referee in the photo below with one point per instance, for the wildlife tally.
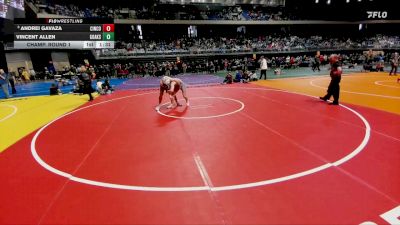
(263, 67)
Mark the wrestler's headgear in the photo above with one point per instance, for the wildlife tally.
(333, 59)
(166, 80)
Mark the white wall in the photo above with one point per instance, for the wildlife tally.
(60, 60)
(18, 59)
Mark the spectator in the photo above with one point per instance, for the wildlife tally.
(99, 87)
(26, 76)
(228, 79)
(380, 66)
(253, 76)
(238, 76)
(51, 68)
(4, 83)
(107, 87)
(245, 77)
(394, 63)
(54, 90)
(278, 71)
(12, 82)
(32, 74)
(87, 83)
(316, 62)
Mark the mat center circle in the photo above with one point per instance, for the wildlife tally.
(203, 108)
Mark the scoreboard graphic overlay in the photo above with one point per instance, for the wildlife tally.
(68, 33)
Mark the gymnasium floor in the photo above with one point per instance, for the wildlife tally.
(269, 152)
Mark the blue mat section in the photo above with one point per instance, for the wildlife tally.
(38, 88)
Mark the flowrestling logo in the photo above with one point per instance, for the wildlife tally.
(377, 14)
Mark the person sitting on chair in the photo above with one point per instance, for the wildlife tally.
(54, 90)
(228, 79)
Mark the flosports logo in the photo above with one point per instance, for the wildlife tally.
(377, 14)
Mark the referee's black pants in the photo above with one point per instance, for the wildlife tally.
(263, 72)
